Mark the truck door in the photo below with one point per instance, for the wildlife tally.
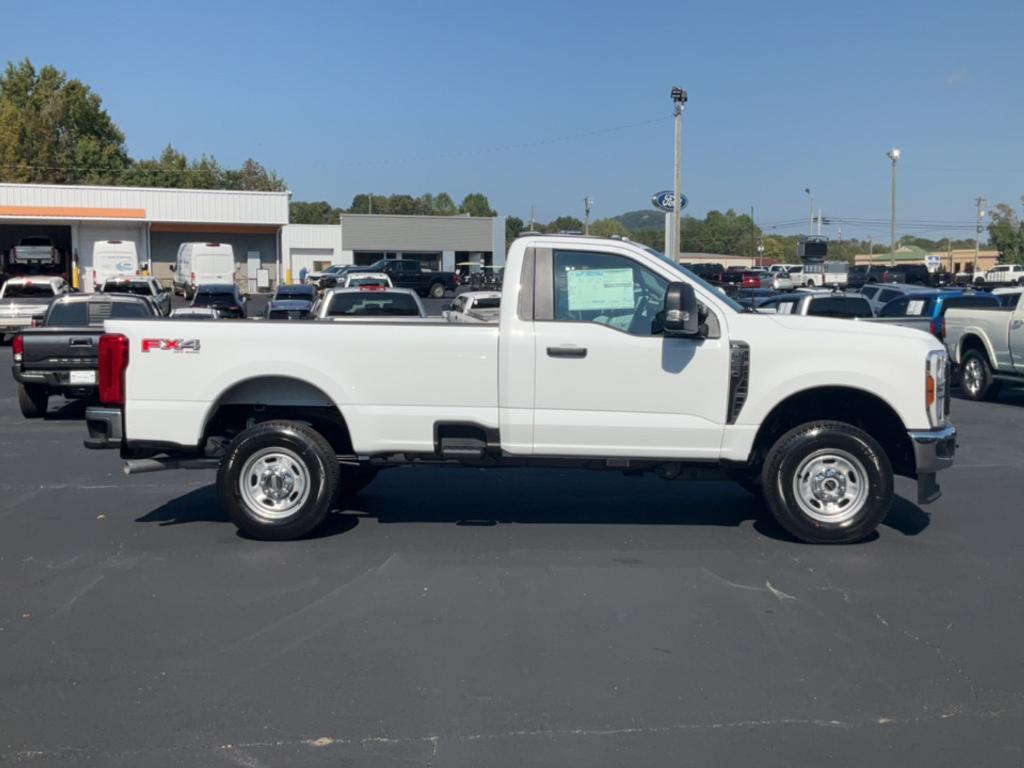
(1016, 337)
(606, 382)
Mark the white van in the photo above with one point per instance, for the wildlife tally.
(113, 258)
(202, 264)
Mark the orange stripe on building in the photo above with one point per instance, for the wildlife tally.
(72, 213)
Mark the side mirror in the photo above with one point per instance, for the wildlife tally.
(680, 314)
(174, 267)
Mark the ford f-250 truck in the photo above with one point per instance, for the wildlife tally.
(605, 356)
(987, 345)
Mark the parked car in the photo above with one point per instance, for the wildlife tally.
(987, 344)
(880, 294)
(706, 270)
(226, 298)
(112, 259)
(1004, 274)
(149, 287)
(738, 277)
(359, 279)
(368, 301)
(409, 273)
(195, 313)
(335, 270)
(35, 252)
(24, 301)
(203, 264)
(584, 369)
(780, 281)
(60, 357)
(289, 309)
(782, 268)
(474, 307)
(752, 297)
(818, 304)
(926, 310)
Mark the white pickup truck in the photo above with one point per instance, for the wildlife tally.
(605, 356)
(987, 344)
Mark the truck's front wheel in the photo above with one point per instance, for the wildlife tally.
(827, 482)
(278, 480)
(33, 401)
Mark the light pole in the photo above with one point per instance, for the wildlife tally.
(980, 202)
(587, 202)
(679, 98)
(894, 155)
(810, 212)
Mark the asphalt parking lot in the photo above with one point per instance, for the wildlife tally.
(515, 618)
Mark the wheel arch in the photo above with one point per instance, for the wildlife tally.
(973, 340)
(861, 408)
(274, 397)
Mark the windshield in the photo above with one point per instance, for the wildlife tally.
(373, 303)
(378, 266)
(302, 291)
(26, 291)
(138, 289)
(205, 298)
(494, 303)
(692, 277)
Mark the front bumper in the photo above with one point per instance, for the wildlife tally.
(933, 452)
(106, 428)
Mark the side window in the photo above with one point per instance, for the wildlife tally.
(606, 289)
(887, 295)
(869, 291)
(896, 308)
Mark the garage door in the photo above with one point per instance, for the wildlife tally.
(310, 259)
(89, 235)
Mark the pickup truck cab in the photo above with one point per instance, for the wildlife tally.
(149, 287)
(1004, 274)
(24, 301)
(818, 304)
(927, 310)
(606, 356)
(359, 279)
(474, 307)
(987, 344)
(35, 251)
(60, 357)
(368, 301)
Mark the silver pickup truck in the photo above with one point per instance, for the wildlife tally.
(24, 301)
(988, 346)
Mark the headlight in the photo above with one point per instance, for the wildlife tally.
(936, 387)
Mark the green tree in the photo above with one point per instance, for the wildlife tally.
(1006, 234)
(513, 227)
(564, 224)
(55, 130)
(320, 212)
(443, 205)
(610, 227)
(476, 204)
(251, 177)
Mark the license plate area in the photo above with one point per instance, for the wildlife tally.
(82, 377)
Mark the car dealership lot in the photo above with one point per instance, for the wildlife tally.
(524, 617)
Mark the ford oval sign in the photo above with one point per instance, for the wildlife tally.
(666, 201)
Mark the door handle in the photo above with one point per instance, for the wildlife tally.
(81, 342)
(567, 351)
(1016, 323)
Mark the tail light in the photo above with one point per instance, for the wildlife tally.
(94, 280)
(18, 347)
(937, 328)
(112, 367)
(458, 280)
(192, 279)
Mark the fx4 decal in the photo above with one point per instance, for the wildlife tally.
(171, 345)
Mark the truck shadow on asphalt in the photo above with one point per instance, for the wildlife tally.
(613, 501)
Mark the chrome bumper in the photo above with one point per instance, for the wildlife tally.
(933, 452)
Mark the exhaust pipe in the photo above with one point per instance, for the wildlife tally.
(141, 466)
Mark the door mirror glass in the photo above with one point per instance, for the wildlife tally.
(174, 267)
(680, 313)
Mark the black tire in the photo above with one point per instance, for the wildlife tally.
(311, 458)
(976, 380)
(437, 291)
(868, 477)
(33, 401)
(809, 284)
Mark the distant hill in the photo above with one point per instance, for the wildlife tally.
(637, 220)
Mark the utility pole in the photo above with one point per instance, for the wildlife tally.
(894, 155)
(810, 212)
(370, 199)
(679, 99)
(753, 245)
(587, 202)
(980, 202)
(531, 217)
(819, 222)
(871, 251)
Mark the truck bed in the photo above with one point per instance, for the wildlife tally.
(381, 375)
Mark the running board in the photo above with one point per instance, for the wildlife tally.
(141, 466)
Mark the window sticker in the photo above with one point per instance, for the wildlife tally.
(591, 289)
(915, 307)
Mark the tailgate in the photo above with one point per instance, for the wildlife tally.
(60, 349)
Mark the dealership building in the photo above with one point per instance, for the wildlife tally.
(255, 224)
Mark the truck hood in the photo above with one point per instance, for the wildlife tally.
(831, 327)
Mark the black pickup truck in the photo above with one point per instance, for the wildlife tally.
(409, 273)
(61, 356)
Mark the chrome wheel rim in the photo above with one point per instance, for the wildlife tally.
(972, 376)
(831, 486)
(274, 483)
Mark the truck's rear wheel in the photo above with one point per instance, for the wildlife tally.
(437, 291)
(278, 480)
(976, 377)
(33, 401)
(827, 482)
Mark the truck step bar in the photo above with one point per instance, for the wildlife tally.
(141, 466)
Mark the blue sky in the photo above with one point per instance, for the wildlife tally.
(515, 100)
